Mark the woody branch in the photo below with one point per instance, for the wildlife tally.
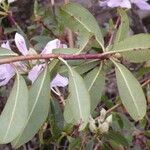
(100, 56)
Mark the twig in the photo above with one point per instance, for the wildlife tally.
(146, 82)
(47, 28)
(69, 32)
(113, 108)
(113, 32)
(70, 38)
(100, 57)
(60, 96)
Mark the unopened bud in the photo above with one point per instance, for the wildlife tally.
(109, 119)
(104, 127)
(92, 125)
(102, 115)
(118, 55)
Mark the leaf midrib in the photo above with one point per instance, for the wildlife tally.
(14, 109)
(32, 108)
(94, 79)
(76, 91)
(128, 89)
(69, 13)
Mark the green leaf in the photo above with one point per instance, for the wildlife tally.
(89, 145)
(74, 143)
(65, 51)
(82, 67)
(6, 53)
(56, 119)
(15, 113)
(39, 102)
(82, 21)
(135, 48)
(68, 114)
(131, 93)
(117, 137)
(79, 99)
(124, 26)
(53, 68)
(134, 43)
(95, 82)
(41, 39)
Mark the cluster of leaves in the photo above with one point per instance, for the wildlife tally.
(34, 108)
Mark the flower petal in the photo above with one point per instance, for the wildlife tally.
(125, 4)
(21, 44)
(142, 4)
(6, 73)
(59, 81)
(11, 1)
(53, 45)
(114, 3)
(35, 71)
(50, 46)
(103, 3)
(6, 45)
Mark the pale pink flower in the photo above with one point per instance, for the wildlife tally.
(142, 4)
(6, 45)
(7, 71)
(53, 45)
(21, 44)
(35, 71)
(59, 81)
(11, 1)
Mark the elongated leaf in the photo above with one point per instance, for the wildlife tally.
(130, 92)
(137, 56)
(82, 68)
(79, 100)
(56, 119)
(15, 113)
(68, 114)
(66, 51)
(39, 102)
(133, 43)
(117, 137)
(95, 81)
(89, 145)
(136, 48)
(80, 20)
(6, 53)
(124, 26)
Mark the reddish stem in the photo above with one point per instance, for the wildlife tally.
(100, 57)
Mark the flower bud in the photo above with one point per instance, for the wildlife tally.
(102, 115)
(104, 127)
(109, 119)
(92, 125)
